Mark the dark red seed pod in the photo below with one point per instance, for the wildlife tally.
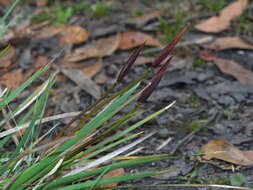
(147, 91)
(165, 52)
(129, 63)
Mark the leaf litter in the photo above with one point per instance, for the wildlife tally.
(99, 48)
(230, 67)
(223, 150)
(222, 22)
(129, 40)
(224, 43)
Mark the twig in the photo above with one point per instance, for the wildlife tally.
(167, 141)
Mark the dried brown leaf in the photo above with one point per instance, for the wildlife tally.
(12, 79)
(74, 34)
(49, 31)
(231, 68)
(130, 40)
(100, 48)
(113, 173)
(221, 22)
(92, 69)
(228, 43)
(70, 34)
(101, 78)
(143, 19)
(41, 3)
(222, 150)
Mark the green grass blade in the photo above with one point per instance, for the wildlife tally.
(117, 179)
(27, 102)
(131, 128)
(5, 50)
(38, 170)
(7, 99)
(103, 116)
(100, 138)
(8, 12)
(111, 145)
(128, 163)
(4, 17)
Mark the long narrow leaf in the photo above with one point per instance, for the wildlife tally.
(70, 179)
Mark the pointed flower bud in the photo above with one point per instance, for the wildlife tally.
(129, 63)
(147, 91)
(165, 52)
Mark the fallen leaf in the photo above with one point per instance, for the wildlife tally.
(228, 43)
(5, 60)
(222, 21)
(114, 173)
(41, 3)
(74, 34)
(140, 21)
(222, 150)
(25, 32)
(101, 78)
(70, 34)
(231, 68)
(130, 40)
(12, 79)
(100, 48)
(92, 69)
(83, 81)
(49, 31)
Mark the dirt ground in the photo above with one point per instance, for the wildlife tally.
(210, 103)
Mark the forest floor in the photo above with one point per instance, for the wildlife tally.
(210, 76)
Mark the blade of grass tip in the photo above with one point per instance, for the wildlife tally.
(129, 63)
(100, 176)
(141, 122)
(121, 141)
(15, 93)
(8, 12)
(108, 156)
(129, 129)
(71, 179)
(5, 50)
(165, 52)
(4, 17)
(147, 91)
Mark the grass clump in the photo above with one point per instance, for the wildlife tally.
(80, 158)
